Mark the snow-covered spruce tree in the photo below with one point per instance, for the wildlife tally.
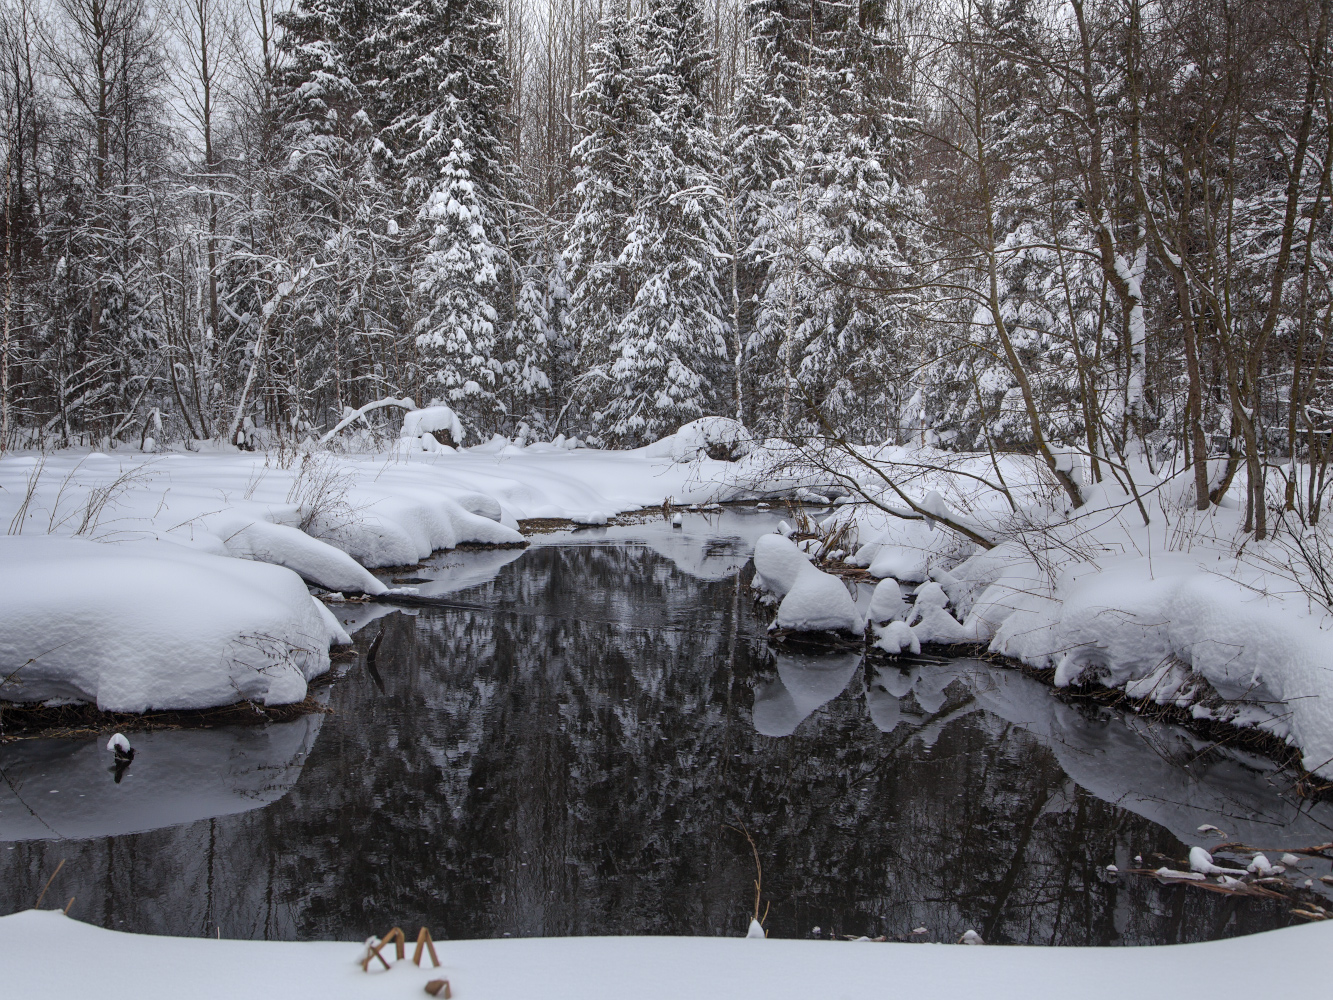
(864, 240)
(668, 349)
(606, 189)
(760, 147)
(445, 144)
(836, 233)
(336, 212)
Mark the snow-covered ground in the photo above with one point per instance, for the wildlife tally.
(1142, 593)
(67, 959)
(198, 598)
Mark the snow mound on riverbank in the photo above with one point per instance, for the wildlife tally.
(145, 625)
(812, 600)
(1134, 590)
(719, 438)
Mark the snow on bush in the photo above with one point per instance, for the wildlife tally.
(150, 625)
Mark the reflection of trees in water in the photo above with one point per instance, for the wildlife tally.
(565, 765)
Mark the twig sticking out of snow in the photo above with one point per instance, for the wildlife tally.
(756, 921)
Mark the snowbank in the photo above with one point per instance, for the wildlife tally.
(433, 420)
(118, 966)
(138, 623)
(719, 438)
(812, 600)
(149, 625)
(1187, 609)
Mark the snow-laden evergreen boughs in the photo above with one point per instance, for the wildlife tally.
(605, 192)
(665, 358)
(445, 90)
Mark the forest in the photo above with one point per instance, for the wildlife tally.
(1091, 231)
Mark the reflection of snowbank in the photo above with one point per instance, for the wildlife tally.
(803, 684)
(1157, 771)
(708, 546)
(59, 789)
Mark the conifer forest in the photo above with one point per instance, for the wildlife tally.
(1005, 225)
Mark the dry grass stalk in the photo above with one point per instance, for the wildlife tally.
(38, 904)
(424, 940)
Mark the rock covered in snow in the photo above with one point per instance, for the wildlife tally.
(887, 603)
(438, 420)
(897, 637)
(719, 438)
(932, 622)
(141, 625)
(779, 562)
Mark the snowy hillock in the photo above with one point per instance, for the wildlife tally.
(812, 600)
(150, 625)
(721, 439)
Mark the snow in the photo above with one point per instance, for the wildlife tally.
(1201, 861)
(1187, 610)
(887, 603)
(118, 744)
(312, 559)
(812, 600)
(897, 637)
(125, 595)
(151, 625)
(720, 438)
(119, 966)
(430, 419)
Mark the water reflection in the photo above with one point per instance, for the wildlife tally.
(568, 763)
(71, 789)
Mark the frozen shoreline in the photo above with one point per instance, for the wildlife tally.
(1177, 611)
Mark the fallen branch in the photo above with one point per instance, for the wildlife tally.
(405, 403)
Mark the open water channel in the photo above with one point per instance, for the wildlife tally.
(573, 747)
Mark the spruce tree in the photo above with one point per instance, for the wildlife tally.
(445, 92)
(666, 358)
(606, 190)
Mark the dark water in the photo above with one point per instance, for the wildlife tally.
(572, 762)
